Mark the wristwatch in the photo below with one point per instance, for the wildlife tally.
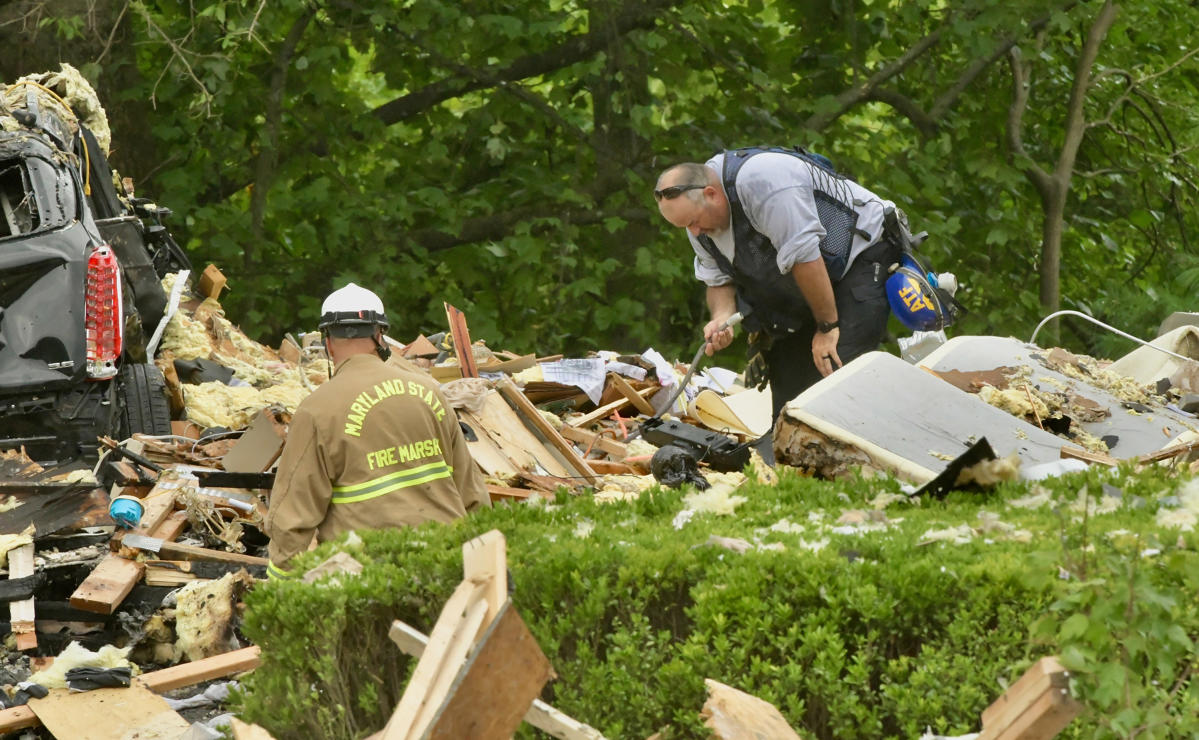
(824, 327)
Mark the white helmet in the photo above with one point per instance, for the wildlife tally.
(352, 311)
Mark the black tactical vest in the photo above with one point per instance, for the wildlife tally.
(771, 301)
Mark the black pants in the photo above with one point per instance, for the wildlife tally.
(862, 312)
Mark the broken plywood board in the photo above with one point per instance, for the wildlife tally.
(504, 673)
(1134, 432)
(113, 714)
(485, 450)
(540, 715)
(500, 423)
(732, 714)
(857, 416)
(52, 507)
(557, 444)
(167, 679)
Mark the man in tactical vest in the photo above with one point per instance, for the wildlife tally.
(798, 249)
(376, 446)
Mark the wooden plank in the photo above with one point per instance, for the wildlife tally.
(732, 714)
(460, 645)
(1037, 707)
(604, 412)
(504, 673)
(609, 445)
(108, 585)
(611, 467)
(628, 391)
(1032, 681)
(540, 715)
(506, 493)
(21, 613)
(157, 506)
(485, 560)
(1167, 452)
(133, 712)
(1078, 453)
(505, 428)
(17, 718)
(462, 346)
(170, 529)
(205, 669)
(429, 665)
(245, 731)
(533, 416)
(1047, 716)
(179, 551)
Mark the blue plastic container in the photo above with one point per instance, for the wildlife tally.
(125, 511)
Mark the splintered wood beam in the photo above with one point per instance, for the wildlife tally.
(462, 346)
(21, 613)
(617, 380)
(205, 669)
(1078, 453)
(400, 725)
(485, 560)
(179, 551)
(596, 441)
(506, 493)
(526, 408)
(544, 717)
(107, 585)
(1038, 706)
(1167, 452)
(504, 673)
(605, 411)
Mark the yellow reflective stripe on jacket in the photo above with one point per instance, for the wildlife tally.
(391, 482)
(274, 572)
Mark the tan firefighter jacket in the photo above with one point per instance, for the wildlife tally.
(373, 447)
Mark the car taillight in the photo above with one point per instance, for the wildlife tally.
(103, 318)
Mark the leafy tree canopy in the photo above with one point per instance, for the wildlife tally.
(499, 156)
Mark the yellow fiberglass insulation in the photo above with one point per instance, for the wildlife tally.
(186, 338)
(1015, 401)
(204, 615)
(77, 656)
(215, 404)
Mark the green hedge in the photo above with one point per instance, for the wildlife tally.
(877, 634)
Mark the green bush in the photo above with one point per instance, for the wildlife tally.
(881, 632)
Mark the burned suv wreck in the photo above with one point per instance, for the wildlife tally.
(80, 286)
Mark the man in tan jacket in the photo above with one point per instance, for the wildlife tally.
(373, 447)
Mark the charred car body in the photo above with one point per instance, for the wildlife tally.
(80, 287)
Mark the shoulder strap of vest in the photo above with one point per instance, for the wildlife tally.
(722, 262)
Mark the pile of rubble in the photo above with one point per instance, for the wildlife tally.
(162, 591)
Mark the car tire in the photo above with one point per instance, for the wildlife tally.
(145, 407)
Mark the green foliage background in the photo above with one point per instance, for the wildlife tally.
(883, 632)
(499, 155)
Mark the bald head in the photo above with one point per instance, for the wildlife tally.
(691, 197)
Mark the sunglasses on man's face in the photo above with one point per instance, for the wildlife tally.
(675, 191)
